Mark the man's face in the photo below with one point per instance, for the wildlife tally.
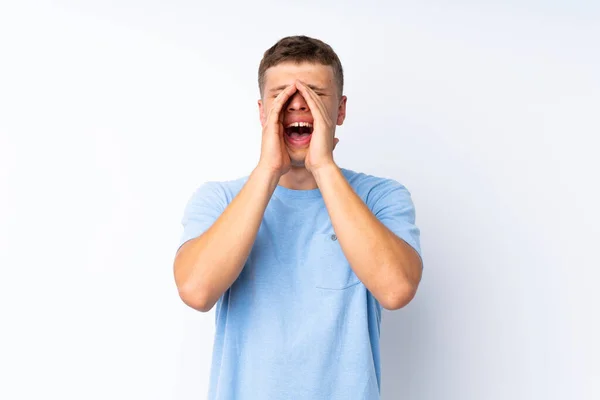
(297, 118)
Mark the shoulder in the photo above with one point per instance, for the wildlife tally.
(374, 189)
(218, 191)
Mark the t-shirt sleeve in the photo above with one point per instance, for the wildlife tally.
(393, 206)
(203, 208)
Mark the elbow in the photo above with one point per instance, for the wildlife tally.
(199, 300)
(190, 291)
(398, 297)
(403, 287)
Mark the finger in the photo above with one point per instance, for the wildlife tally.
(278, 103)
(314, 102)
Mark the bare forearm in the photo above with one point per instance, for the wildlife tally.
(386, 265)
(208, 265)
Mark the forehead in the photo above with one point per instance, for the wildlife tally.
(309, 73)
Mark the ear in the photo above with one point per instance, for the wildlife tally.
(261, 111)
(341, 111)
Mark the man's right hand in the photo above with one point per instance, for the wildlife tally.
(206, 266)
(274, 156)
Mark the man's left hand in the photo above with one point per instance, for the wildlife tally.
(322, 142)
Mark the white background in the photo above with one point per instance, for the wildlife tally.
(112, 113)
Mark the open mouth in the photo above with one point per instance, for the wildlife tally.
(299, 130)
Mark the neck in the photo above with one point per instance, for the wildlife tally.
(298, 178)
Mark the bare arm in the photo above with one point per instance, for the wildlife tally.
(208, 265)
(205, 267)
(389, 267)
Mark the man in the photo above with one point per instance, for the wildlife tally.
(300, 256)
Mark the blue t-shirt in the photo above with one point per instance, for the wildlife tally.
(297, 323)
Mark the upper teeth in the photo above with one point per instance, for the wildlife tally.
(298, 124)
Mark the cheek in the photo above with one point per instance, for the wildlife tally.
(267, 105)
(333, 112)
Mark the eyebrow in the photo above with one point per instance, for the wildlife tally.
(313, 87)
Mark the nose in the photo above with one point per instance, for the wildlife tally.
(297, 103)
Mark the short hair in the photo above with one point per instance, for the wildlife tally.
(301, 49)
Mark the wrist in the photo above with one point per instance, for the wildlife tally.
(266, 174)
(321, 172)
